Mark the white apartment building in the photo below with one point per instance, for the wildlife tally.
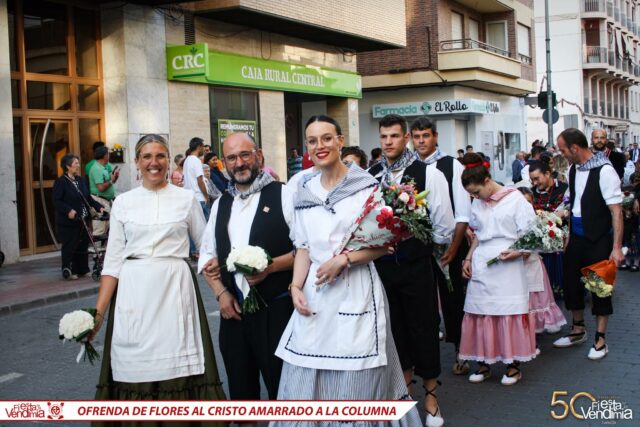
(595, 64)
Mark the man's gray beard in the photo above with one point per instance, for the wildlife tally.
(252, 177)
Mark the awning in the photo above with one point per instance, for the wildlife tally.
(619, 43)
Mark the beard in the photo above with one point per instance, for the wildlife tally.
(236, 179)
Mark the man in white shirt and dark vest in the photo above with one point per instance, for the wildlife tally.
(256, 211)
(425, 141)
(407, 275)
(599, 143)
(596, 233)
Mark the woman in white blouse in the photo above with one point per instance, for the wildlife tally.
(157, 344)
(497, 325)
(338, 343)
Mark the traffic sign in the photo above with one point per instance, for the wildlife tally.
(554, 117)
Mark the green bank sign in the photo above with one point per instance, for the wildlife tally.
(196, 64)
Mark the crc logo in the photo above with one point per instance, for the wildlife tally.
(191, 60)
(584, 406)
(425, 107)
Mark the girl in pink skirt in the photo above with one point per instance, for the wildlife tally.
(542, 304)
(497, 325)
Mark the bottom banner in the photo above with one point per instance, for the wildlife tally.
(241, 411)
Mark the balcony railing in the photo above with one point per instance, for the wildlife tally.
(595, 55)
(461, 44)
(610, 9)
(525, 59)
(593, 6)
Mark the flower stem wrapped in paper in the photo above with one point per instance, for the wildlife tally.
(546, 235)
(391, 214)
(76, 326)
(249, 261)
(600, 278)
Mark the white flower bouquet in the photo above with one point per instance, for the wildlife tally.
(546, 235)
(76, 326)
(249, 260)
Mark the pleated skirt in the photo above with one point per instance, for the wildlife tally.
(381, 383)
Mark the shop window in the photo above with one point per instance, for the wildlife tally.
(232, 109)
(86, 42)
(21, 196)
(48, 96)
(88, 98)
(15, 93)
(45, 37)
(89, 132)
(13, 58)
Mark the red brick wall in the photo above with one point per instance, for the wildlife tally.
(433, 17)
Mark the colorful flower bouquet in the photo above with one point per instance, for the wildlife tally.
(390, 215)
(76, 326)
(545, 236)
(600, 278)
(249, 261)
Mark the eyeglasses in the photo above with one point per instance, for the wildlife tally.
(244, 155)
(326, 139)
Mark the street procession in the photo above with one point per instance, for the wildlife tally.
(379, 213)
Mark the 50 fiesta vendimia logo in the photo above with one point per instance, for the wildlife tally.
(584, 406)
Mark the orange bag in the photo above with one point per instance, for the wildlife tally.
(606, 269)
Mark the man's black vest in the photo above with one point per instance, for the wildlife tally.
(596, 216)
(412, 248)
(269, 231)
(445, 165)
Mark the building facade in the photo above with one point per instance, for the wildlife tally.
(595, 59)
(468, 65)
(75, 72)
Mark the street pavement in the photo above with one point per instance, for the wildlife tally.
(35, 365)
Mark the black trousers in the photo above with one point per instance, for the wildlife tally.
(75, 241)
(581, 253)
(413, 307)
(452, 302)
(248, 349)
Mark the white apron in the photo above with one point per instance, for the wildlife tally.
(156, 329)
(499, 289)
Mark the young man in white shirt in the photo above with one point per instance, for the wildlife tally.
(596, 233)
(193, 174)
(413, 304)
(425, 141)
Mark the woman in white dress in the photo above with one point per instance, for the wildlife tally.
(497, 325)
(157, 344)
(338, 344)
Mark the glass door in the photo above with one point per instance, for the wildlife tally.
(49, 141)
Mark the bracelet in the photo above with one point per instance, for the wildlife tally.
(466, 260)
(220, 294)
(291, 287)
(349, 265)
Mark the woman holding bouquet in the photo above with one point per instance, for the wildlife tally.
(497, 325)
(157, 344)
(338, 343)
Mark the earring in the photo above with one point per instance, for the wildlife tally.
(138, 175)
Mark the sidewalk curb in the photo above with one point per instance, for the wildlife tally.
(6, 310)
